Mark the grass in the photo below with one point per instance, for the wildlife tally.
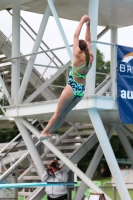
(109, 191)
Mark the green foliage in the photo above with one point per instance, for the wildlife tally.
(101, 67)
(61, 81)
(103, 169)
(6, 135)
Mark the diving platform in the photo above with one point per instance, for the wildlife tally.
(106, 107)
(114, 14)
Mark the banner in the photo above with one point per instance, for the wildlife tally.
(125, 83)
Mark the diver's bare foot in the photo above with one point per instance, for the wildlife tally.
(45, 136)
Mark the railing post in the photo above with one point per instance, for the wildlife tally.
(113, 61)
(15, 52)
(93, 14)
(114, 192)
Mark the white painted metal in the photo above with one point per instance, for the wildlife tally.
(32, 58)
(5, 91)
(103, 32)
(6, 49)
(51, 5)
(31, 147)
(111, 13)
(90, 78)
(92, 167)
(126, 144)
(108, 153)
(44, 110)
(34, 53)
(107, 107)
(8, 171)
(34, 39)
(103, 87)
(47, 83)
(15, 84)
(114, 39)
(16, 164)
(37, 82)
(39, 193)
(48, 67)
(66, 161)
(14, 139)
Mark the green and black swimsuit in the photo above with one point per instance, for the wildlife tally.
(78, 89)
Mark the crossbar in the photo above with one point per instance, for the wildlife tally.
(41, 184)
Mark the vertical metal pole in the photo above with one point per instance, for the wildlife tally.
(126, 144)
(92, 167)
(52, 7)
(126, 130)
(31, 147)
(109, 154)
(15, 52)
(114, 39)
(66, 161)
(32, 58)
(91, 77)
(114, 192)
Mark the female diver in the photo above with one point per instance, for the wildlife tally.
(74, 90)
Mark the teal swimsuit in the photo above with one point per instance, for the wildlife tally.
(78, 89)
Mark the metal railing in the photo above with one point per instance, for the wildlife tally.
(108, 188)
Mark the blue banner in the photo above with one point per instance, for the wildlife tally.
(125, 83)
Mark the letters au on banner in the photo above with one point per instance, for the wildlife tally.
(125, 83)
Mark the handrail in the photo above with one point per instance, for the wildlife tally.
(106, 43)
(11, 149)
(10, 143)
(3, 176)
(102, 84)
(32, 54)
(41, 41)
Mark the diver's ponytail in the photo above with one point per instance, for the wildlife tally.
(83, 46)
(87, 55)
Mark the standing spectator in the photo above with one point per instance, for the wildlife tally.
(54, 173)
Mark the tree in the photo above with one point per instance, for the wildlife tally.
(101, 67)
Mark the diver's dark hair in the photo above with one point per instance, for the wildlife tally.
(83, 46)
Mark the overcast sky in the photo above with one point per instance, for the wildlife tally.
(52, 36)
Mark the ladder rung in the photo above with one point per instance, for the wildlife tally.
(31, 178)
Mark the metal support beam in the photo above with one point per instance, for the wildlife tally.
(108, 153)
(47, 83)
(113, 66)
(92, 167)
(126, 130)
(15, 52)
(32, 58)
(52, 7)
(5, 91)
(31, 147)
(91, 76)
(103, 87)
(8, 144)
(126, 144)
(66, 161)
(103, 32)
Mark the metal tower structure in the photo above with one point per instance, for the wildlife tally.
(95, 108)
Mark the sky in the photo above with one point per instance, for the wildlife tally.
(53, 38)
